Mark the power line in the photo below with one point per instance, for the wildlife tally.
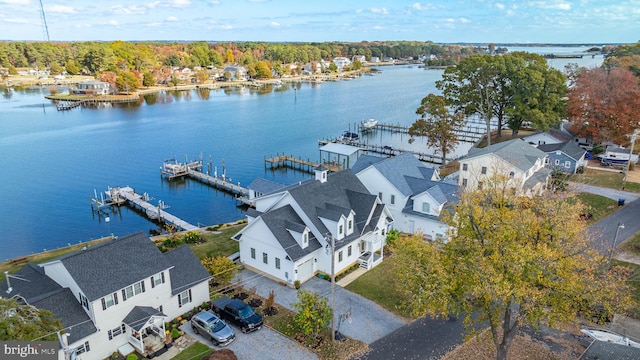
(45, 28)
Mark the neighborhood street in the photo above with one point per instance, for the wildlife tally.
(604, 231)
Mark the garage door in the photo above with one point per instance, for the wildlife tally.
(305, 270)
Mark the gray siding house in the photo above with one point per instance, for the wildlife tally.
(566, 156)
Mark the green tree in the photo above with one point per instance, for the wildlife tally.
(314, 313)
(356, 65)
(71, 67)
(221, 268)
(25, 323)
(174, 81)
(437, 124)
(55, 69)
(147, 79)
(263, 70)
(333, 67)
(511, 259)
(127, 82)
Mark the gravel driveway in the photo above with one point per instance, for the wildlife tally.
(370, 321)
(264, 344)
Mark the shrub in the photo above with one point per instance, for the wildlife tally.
(132, 357)
(192, 237)
(296, 284)
(224, 354)
(175, 333)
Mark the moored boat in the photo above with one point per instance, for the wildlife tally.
(349, 136)
(610, 337)
(369, 124)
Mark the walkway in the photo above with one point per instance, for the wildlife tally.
(603, 191)
(370, 321)
(351, 277)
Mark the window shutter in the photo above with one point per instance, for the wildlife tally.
(124, 329)
(190, 298)
(80, 297)
(110, 334)
(86, 346)
(162, 276)
(104, 304)
(124, 295)
(142, 283)
(153, 283)
(115, 298)
(179, 300)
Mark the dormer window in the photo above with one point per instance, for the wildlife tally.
(305, 238)
(425, 207)
(350, 225)
(340, 230)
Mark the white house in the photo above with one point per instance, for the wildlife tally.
(115, 296)
(521, 162)
(341, 62)
(290, 233)
(92, 87)
(412, 191)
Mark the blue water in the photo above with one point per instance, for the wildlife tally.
(51, 161)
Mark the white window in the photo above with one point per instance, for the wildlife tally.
(464, 182)
(157, 279)
(109, 301)
(464, 167)
(253, 253)
(265, 258)
(557, 162)
(567, 164)
(340, 256)
(133, 290)
(393, 199)
(350, 224)
(184, 297)
(277, 263)
(425, 207)
(83, 348)
(484, 170)
(84, 301)
(380, 196)
(305, 238)
(349, 251)
(116, 331)
(340, 229)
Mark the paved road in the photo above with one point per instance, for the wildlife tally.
(606, 192)
(369, 321)
(604, 230)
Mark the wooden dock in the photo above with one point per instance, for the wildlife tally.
(297, 163)
(388, 150)
(218, 182)
(68, 105)
(127, 195)
(471, 132)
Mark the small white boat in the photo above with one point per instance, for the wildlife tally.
(369, 124)
(609, 337)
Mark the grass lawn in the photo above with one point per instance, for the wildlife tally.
(608, 179)
(195, 351)
(634, 280)
(599, 206)
(633, 244)
(377, 285)
(218, 244)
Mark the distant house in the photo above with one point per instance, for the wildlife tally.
(290, 232)
(116, 295)
(341, 62)
(387, 59)
(375, 59)
(542, 138)
(359, 58)
(521, 162)
(566, 156)
(237, 72)
(92, 88)
(413, 192)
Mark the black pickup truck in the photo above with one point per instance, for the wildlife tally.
(238, 313)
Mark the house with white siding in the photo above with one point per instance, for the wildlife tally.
(114, 296)
(294, 232)
(522, 163)
(413, 192)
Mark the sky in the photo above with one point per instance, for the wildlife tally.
(440, 21)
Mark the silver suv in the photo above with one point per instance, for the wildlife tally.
(211, 327)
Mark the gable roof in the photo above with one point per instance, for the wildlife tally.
(139, 315)
(264, 186)
(515, 152)
(570, 148)
(187, 269)
(279, 221)
(115, 264)
(396, 168)
(610, 351)
(34, 286)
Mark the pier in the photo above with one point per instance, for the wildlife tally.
(127, 195)
(388, 150)
(297, 163)
(471, 132)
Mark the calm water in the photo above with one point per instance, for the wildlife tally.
(52, 161)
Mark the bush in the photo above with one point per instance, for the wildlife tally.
(296, 284)
(175, 333)
(132, 357)
(224, 354)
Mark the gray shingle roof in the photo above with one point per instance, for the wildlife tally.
(516, 152)
(396, 168)
(35, 286)
(570, 148)
(364, 161)
(110, 266)
(187, 270)
(601, 350)
(64, 305)
(264, 186)
(441, 191)
(281, 219)
(139, 315)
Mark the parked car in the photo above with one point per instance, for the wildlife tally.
(213, 328)
(238, 313)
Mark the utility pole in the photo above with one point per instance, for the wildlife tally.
(626, 170)
(333, 286)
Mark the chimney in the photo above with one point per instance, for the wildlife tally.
(321, 173)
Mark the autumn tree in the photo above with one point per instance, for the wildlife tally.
(147, 79)
(71, 67)
(314, 313)
(221, 268)
(513, 260)
(108, 76)
(228, 57)
(603, 104)
(25, 323)
(437, 124)
(127, 82)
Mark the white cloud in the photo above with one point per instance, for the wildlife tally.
(152, 5)
(15, 2)
(464, 20)
(128, 10)
(378, 27)
(111, 22)
(61, 9)
(379, 10)
(172, 18)
(16, 20)
(422, 7)
(552, 4)
(275, 24)
(154, 24)
(179, 3)
(500, 6)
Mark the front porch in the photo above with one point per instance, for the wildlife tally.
(146, 331)
(369, 260)
(371, 250)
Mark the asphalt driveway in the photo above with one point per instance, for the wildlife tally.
(264, 344)
(369, 321)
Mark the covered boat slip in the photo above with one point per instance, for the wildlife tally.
(340, 154)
